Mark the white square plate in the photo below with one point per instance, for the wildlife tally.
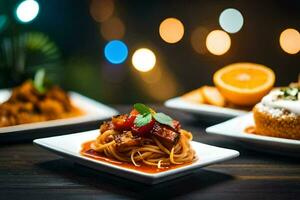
(235, 128)
(203, 109)
(93, 111)
(69, 146)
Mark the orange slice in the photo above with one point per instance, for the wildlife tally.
(213, 96)
(244, 83)
(194, 96)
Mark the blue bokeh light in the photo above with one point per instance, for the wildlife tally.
(231, 20)
(116, 51)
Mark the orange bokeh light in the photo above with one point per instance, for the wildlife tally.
(198, 39)
(290, 41)
(101, 10)
(171, 30)
(113, 28)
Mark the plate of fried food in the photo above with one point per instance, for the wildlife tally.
(273, 125)
(38, 105)
(238, 87)
(144, 146)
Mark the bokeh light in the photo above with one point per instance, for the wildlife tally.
(290, 41)
(27, 11)
(102, 10)
(198, 38)
(116, 51)
(231, 20)
(143, 60)
(113, 28)
(159, 83)
(218, 42)
(164, 89)
(171, 30)
(3, 22)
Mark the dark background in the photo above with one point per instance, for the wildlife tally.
(84, 68)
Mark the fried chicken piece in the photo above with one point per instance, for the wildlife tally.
(57, 94)
(24, 93)
(51, 107)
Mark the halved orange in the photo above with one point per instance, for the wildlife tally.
(244, 83)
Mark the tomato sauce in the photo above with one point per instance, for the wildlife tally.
(88, 152)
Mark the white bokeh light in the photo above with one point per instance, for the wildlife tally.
(231, 20)
(218, 42)
(143, 60)
(27, 11)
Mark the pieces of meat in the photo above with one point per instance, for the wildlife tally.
(57, 94)
(24, 93)
(127, 139)
(27, 105)
(165, 134)
(51, 107)
(177, 125)
(106, 126)
(120, 122)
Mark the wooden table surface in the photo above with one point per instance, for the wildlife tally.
(28, 172)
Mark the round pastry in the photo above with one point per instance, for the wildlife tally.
(278, 114)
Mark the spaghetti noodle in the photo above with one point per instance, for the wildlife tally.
(153, 144)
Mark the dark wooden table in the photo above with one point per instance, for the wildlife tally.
(28, 172)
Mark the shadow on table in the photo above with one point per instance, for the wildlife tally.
(86, 177)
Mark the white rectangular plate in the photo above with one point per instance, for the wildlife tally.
(203, 109)
(93, 111)
(69, 146)
(235, 128)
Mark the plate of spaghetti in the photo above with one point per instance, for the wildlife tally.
(144, 145)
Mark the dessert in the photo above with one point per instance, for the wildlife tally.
(278, 113)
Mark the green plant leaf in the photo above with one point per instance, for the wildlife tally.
(163, 119)
(142, 109)
(142, 120)
(21, 54)
(39, 81)
(290, 93)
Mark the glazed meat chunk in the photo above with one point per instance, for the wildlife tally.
(126, 139)
(165, 134)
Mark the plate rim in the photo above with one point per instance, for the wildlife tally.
(216, 129)
(41, 142)
(203, 108)
(88, 117)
